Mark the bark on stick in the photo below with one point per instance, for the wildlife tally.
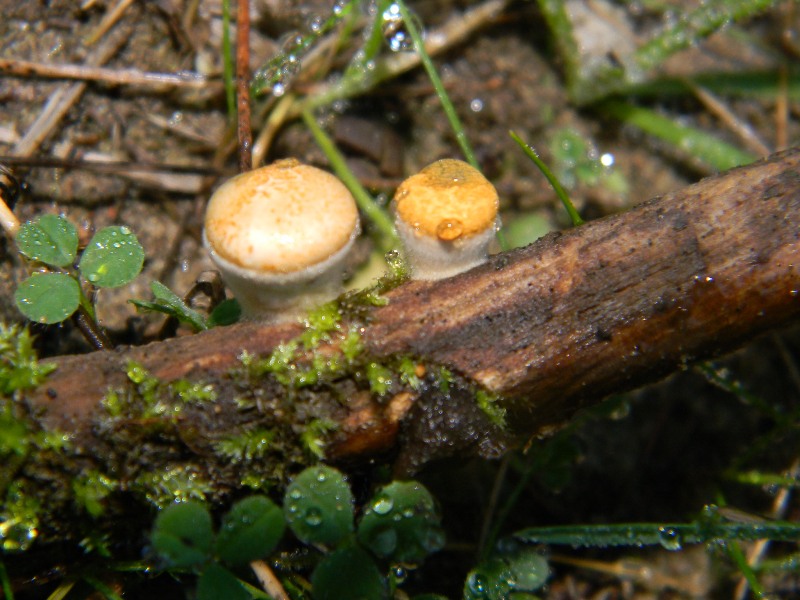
(552, 327)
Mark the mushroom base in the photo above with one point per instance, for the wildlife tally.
(431, 258)
(282, 296)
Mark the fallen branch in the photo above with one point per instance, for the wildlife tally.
(549, 328)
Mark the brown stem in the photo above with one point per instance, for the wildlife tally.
(91, 331)
(552, 327)
(243, 85)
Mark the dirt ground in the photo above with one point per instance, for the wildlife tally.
(504, 75)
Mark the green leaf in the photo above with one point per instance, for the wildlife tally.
(349, 572)
(401, 523)
(169, 303)
(514, 569)
(48, 297)
(226, 312)
(113, 257)
(217, 583)
(318, 506)
(49, 239)
(182, 534)
(250, 530)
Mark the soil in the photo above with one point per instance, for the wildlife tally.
(504, 76)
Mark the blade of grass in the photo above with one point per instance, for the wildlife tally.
(667, 535)
(101, 587)
(753, 84)
(696, 24)
(438, 86)
(559, 189)
(62, 590)
(735, 552)
(5, 582)
(698, 144)
(388, 239)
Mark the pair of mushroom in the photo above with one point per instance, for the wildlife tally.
(281, 234)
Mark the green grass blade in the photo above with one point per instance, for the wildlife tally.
(738, 557)
(698, 144)
(559, 189)
(765, 85)
(5, 582)
(670, 536)
(696, 24)
(102, 588)
(388, 237)
(438, 86)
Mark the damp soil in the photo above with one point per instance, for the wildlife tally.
(657, 455)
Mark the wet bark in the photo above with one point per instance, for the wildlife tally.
(550, 328)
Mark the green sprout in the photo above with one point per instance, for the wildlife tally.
(113, 258)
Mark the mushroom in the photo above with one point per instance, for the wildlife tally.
(446, 216)
(280, 236)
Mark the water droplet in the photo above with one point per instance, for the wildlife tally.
(383, 505)
(125, 230)
(278, 90)
(449, 230)
(92, 277)
(669, 538)
(322, 476)
(315, 24)
(476, 105)
(393, 29)
(477, 584)
(408, 512)
(295, 494)
(434, 540)
(399, 573)
(339, 6)
(607, 159)
(313, 517)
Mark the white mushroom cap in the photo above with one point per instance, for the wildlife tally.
(280, 235)
(446, 216)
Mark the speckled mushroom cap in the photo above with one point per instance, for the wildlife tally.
(280, 236)
(446, 216)
(447, 200)
(281, 218)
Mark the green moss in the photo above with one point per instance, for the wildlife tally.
(314, 434)
(193, 393)
(180, 483)
(380, 378)
(488, 403)
(407, 367)
(14, 434)
(444, 379)
(351, 345)
(19, 519)
(320, 323)
(90, 490)
(246, 446)
(151, 398)
(19, 367)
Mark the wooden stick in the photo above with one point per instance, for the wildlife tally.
(134, 77)
(552, 327)
(243, 86)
